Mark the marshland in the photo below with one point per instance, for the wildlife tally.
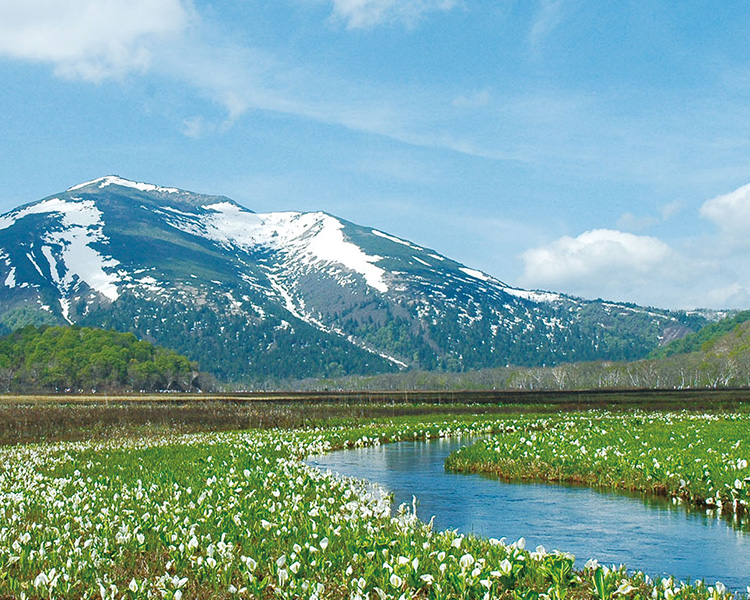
(215, 499)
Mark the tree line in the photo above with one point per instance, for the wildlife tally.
(716, 358)
(77, 359)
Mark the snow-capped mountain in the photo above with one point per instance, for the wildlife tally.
(287, 294)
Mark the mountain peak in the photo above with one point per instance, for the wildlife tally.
(108, 180)
(285, 294)
(159, 195)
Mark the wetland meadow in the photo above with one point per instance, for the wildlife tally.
(159, 507)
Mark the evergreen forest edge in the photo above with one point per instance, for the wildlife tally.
(74, 359)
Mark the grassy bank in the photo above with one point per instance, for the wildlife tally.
(700, 459)
(223, 515)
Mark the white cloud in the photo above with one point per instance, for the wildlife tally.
(604, 263)
(362, 14)
(670, 210)
(734, 295)
(88, 39)
(731, 212)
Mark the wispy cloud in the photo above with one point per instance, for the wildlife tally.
(95, 41)
(363, 14)
(472, 100)
(547, 19)
(89, 39)
(244, 79)
(632, 222)
(196, 127)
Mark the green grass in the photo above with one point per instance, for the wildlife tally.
(697, 458)
(224, 515)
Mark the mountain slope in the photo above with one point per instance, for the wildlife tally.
(702, 339)
(288, 294)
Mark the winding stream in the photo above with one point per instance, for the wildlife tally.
(652, 536)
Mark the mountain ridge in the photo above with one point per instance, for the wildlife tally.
(246, 290)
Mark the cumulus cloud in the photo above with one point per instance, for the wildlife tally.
(362, 14)
(733, 295)
(88, 39)
(731, 213)
(708, 271)
(602, 263)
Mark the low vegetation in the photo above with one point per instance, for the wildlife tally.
(58, 359)
(699, 459)
(26, 419)
(224, 515)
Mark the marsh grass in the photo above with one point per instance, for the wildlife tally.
(699, 459)
(38, 418)
(51, 419)
(225, 515)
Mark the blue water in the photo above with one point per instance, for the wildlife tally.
(655, 537)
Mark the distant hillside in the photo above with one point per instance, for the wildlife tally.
(57, 359)
(263, 297)
(722, 360)
(702, 339)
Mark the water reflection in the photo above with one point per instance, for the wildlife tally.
(653, 536)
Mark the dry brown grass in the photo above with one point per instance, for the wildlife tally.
(45, 419)
(39, 418)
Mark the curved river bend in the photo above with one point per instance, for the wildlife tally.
(652, 536)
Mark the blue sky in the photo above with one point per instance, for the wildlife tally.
(594, 148)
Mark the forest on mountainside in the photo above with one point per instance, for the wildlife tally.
(717, 356)
(702, 339)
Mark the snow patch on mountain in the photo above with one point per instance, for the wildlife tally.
(395, 239)
(68, 248)
(32, 260)
(79, 213)
(53, 270)
(475, 274)
(309, 239)
(114, 180)
(82, 227)
(419, 260)
(533, 296)
(10, 280)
